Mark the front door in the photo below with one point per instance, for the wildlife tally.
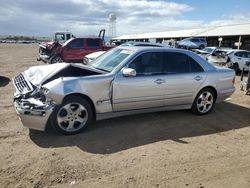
(145, 90)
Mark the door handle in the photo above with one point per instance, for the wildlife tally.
(159, 81)
(198, 78)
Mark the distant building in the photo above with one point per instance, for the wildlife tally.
(234, 36)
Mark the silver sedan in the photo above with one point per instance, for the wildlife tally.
(123, 81)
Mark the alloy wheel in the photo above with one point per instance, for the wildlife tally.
(72, 117)
(205, 102)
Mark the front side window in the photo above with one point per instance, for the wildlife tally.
(149, 63)
(77, 43)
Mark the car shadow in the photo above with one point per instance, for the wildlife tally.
(118, 134)
(4, 81)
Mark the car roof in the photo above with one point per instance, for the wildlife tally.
(207, 66)
(135, 43)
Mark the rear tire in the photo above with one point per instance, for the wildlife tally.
(204, 102)
(72, 116)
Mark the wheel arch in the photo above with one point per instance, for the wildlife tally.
(56, 55)
(212, 88)
(84, 97)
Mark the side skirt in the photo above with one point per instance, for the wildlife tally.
(109, 115)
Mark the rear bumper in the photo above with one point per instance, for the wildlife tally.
(223, 94)
(34, 118)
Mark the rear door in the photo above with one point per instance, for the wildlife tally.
(73, 52)
(183, 78)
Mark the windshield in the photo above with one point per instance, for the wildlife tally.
(111, 59)
(208, 50)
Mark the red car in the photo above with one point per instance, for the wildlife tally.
(75, 49)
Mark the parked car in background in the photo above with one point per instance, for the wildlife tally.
(192, 43)
(92, 56)
(216, 55)
(122, 81)
(238, 59)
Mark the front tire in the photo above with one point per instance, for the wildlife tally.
(72, 116)
(56, 59)
(203, 102)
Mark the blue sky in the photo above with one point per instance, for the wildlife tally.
(215, 9)
(87, 17)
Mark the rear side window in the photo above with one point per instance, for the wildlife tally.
(93, 43)
(77, 43)
(194, 66)
(239, 54)
(175, 63)
(194, 40)
(248, 54)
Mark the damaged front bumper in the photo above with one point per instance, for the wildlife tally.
(34, 113)
(44, 58)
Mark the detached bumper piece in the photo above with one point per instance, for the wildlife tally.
(34, 113)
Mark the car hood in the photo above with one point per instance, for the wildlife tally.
(37, 75)
(47, 44)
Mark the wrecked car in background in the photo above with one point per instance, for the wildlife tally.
(216, 55)
(74, 49)
(122, 81)
(232, 58)
(46, 48)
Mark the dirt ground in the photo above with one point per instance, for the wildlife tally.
(166, 149)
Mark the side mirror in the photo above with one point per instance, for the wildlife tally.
(128, 72)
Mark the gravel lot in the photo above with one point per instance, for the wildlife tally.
(166, 149)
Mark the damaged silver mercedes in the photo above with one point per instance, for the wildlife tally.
(123, 81)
